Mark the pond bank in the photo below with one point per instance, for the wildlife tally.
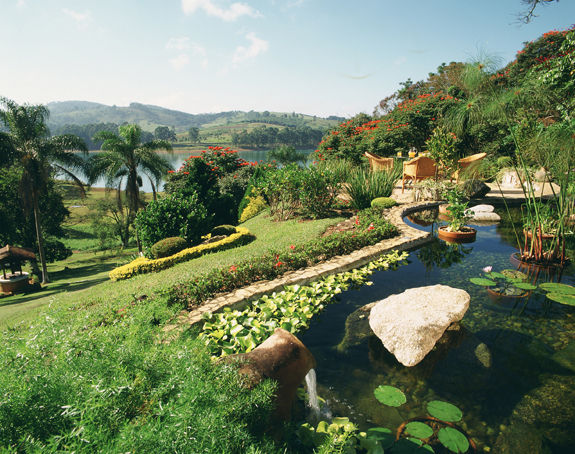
(407, 238)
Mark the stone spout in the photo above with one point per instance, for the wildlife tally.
(281, 357)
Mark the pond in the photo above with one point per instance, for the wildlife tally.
(510, 368)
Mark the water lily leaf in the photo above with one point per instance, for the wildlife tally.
(482, 281)
(555, 287)
(496, 275)
(390, 396)
(453, 440)
(525, 285)
(371, 446)
(444, 411)
(410, 446)
(418, 430)
(382, 434)
(562, 298)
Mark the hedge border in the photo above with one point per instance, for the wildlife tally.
(143, 265)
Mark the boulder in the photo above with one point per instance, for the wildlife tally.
(482, 209)
(410, 323)
(475, 189)
(281, 357)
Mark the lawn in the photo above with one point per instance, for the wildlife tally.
(84, 276)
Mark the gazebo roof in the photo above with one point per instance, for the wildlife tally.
(19, 253)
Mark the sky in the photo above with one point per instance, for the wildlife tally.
(318, 57)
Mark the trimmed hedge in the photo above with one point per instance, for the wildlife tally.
(371, 228)
(223, 230)
(255, 206)
(168, 246)
(383, 202)
(144, 265)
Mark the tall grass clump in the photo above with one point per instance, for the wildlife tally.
(364, 185)
(98, 380)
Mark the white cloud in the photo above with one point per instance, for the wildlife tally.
(210, 7)
(256, 47)
(182, 43)
(180, 61)
(21, 3)
(81, 19)
(400, 60)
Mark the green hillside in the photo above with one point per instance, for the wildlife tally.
(149, 117)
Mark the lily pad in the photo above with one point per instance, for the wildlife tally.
(453, 440)
(555, 287)
(496, 275)
(371, 446)
(514, 274)
(418, 430)
(390, 395)
(525, 285)
(562, 298)
(383, 435)
(482, 281)
(444, 411)
(410, 446)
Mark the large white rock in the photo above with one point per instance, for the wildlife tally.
(410, 323)
(482, 209)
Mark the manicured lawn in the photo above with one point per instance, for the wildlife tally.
(86, 277)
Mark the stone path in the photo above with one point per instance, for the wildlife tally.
(407, 238)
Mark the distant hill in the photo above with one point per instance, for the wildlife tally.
(149, 117)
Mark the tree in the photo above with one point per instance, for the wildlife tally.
(124, 157)
(194, 134)
(165, 133)
(27, 142)
(285, 154)
(528, 15)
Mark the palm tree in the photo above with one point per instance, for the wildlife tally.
(28, 143)
(124, 157)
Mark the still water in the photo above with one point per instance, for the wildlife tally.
(510, 369)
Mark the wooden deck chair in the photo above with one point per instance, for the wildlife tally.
(376, 163)
(467, 165)
(418, 169)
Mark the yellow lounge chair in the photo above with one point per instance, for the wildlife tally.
(376, 163)
(467, 165)
(418, 169)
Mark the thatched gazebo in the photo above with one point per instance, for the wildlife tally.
(13, 257)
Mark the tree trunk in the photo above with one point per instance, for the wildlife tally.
(40, 239)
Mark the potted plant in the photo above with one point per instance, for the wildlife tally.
(456, 231)
(506, 284)
(441, 147)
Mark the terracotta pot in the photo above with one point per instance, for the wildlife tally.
(544, 236)
(465, 236)
(528, 267)
(498, 297)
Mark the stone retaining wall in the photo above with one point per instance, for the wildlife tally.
(407, 238)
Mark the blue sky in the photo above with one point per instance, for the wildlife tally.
(320, 57)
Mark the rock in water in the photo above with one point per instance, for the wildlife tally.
(281, 357)
(482, 209)
(410, 323)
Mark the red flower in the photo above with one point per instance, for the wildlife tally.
(292, 247)
(371, 227)
(233, 268)
(357, 221)
(278, 264)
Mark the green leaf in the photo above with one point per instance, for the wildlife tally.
(562, 298)
(525, 286)
(444, 411)
(453, 440)
(371, 446)
(496, 275)
(555, 287)
(482, 281)
(410, 446)
(418, 430)
(383, 435)
(390, 396)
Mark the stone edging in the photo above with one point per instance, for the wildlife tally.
(407, 238)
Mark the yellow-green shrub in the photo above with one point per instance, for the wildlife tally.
(254, 207)
(143, 265)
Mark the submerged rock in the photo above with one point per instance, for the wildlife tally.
(475, 189)
(356, 328)
(410, 323)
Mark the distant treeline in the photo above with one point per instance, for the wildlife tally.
(293, 119)
(263, 136)
(87, 132)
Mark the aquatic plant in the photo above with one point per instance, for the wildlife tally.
(507, 282)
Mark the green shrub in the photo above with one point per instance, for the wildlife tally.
(365, 185)
(383, 202)
(255, 205)
(223, 230)
(319, 189)
(281, 189)
(168, 246)
(172, 216)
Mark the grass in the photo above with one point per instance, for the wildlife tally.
(84, 276)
